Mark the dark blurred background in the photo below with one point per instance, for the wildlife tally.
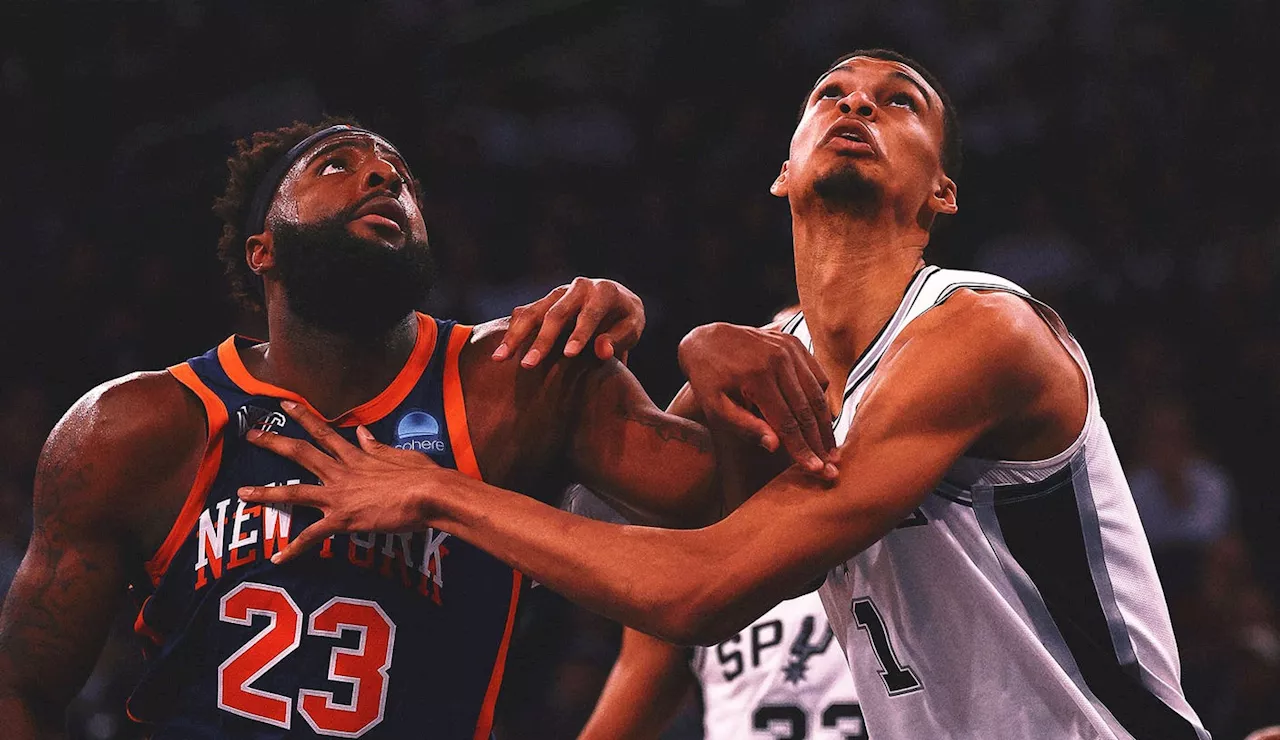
(1121, 164)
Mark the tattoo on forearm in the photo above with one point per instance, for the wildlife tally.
(668, 431)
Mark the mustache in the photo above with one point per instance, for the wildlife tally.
(349, 213)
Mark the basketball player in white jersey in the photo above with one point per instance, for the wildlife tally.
(981, 558)
(783, 677)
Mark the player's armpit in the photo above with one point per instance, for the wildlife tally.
(653, 464)
(65, 595)
(644, 690)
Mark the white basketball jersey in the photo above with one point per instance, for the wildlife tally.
(1020, 599)
(783, 677)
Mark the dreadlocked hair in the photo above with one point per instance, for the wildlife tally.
(245, 169)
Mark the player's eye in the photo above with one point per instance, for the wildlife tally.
(333, 165)
(904, 100)
(830, 91)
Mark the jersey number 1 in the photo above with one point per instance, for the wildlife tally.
(898, 678)
(364, 667)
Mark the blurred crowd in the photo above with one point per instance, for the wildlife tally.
(1120, 163)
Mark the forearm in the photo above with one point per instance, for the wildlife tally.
(685, 586)
(643, 692)
(639, 576)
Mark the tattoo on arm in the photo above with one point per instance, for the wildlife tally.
(667, 429)
(60, 606)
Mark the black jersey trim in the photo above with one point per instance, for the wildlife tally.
(793, 323)
(1048, 539)
(876, 349)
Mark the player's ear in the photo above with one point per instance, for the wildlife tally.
(944, 197)
(259, 252)
(779, 186)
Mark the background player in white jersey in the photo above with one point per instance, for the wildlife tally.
(782, 677)
(984, 565)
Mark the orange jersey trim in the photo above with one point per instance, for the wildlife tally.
(455, 408)
(141, 627)
(216, 418)
(485, 724)
(367, 412)
(464, 456)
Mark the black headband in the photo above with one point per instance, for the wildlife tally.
(266, 190)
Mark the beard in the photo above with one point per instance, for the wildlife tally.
(847, 189)
(346, 285)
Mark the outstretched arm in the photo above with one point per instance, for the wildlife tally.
(68, 588)
(643, 692)
(956, 375)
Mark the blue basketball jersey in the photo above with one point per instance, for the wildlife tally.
(372, 635)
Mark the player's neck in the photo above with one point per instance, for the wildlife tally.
(851, 273)
(334, 372)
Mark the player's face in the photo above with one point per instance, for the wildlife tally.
(346, 240)
(872, 129)
(359, 178)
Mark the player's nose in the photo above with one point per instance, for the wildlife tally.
(858, 102)
(382, 174)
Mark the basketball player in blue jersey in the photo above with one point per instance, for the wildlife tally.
(980, 557)
(389, 634)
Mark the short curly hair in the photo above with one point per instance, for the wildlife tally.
(245, 169)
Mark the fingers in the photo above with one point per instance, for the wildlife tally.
(367, 441)
(297, 493)
(306, 539)
(553, 323)
(813, 385)
(804, 430)
(621, 337)
(605, 349)
(297, 450)
(589, 318)
(524, 321)
(320, 431)
(745, 423)
(781, 415)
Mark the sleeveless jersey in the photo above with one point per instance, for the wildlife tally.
(1020, 599)
(372, 635)
(783, 677)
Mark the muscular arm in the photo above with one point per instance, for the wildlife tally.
(976, 370)
(665, 470)
(643, 692)
(651, 676)
(68, 587)
(653, 465)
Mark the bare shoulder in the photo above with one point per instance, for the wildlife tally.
(555, 376)
(990, 356)
(119, 437)
(518, 417)
(1002, 320)
(996, 332)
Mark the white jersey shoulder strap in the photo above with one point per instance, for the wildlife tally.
(929, 288)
